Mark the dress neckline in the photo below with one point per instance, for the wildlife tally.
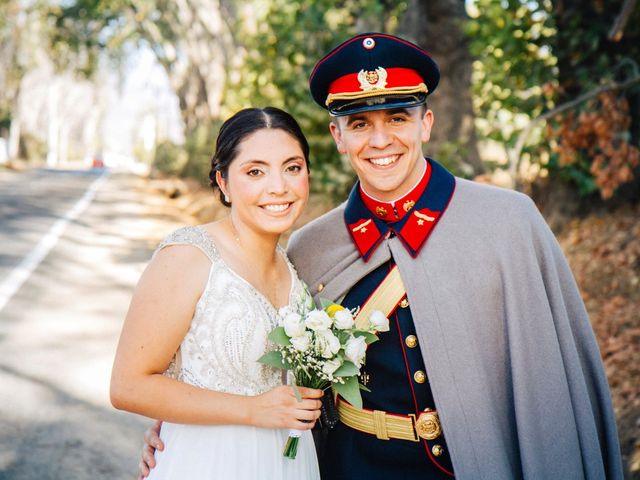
(258, 293)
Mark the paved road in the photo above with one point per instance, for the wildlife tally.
(59, 330)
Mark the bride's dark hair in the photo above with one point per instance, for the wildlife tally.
(238, 127)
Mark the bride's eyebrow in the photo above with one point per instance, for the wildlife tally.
(254, 161)
(294, 158)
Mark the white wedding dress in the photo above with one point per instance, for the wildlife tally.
(228, 333)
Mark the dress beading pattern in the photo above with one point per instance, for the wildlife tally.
(229, 329)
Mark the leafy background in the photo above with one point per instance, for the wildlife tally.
(542, 96)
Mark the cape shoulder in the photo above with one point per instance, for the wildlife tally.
(491, 217)
(472, 203)
(323, 251)
(322, 246)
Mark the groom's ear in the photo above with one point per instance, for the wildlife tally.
(336, 133)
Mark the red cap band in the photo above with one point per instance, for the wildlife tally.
(397, 77)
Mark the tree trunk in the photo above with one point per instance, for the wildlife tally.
(437, 26)
(13, 146)
(195, 53)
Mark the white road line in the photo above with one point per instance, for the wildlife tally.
(12, 283)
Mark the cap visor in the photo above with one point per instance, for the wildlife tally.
(349, 107)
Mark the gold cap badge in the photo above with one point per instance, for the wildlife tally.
(372, 79)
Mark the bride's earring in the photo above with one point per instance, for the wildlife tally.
(226, 198)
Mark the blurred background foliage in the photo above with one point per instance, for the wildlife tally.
(556, 84)
(531, 89)
(538, 95)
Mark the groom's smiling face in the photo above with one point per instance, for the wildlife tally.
(384, 148)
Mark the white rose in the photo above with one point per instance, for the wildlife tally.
(327, 344)
(293, 325)
(331, 366)
(302, 343)
(378, 321)
(355, 350)
(343, 319)
(318, 320)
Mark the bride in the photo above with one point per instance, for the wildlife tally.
(200, 315)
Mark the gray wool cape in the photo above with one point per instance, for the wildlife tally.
(514, 367)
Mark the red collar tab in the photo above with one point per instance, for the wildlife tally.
(413, 229)
(365, 235)
(394, 211)
(417, 228)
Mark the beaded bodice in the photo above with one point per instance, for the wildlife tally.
(229, 329)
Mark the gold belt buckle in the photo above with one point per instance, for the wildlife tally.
(428, 425)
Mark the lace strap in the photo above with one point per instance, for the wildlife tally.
(194, 236)
(283, 252)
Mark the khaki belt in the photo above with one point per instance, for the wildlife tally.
(390, 425)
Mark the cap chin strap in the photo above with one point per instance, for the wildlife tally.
(376, 103)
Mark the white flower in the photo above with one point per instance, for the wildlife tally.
(331, 366)
(355, 350)
(302, 342)
(327, 344)
(293, 325)
(343, 319)
(318, 320)
(378, 321)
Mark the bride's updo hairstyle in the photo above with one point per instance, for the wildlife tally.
(238, 127)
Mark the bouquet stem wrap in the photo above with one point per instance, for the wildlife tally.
(291, 447)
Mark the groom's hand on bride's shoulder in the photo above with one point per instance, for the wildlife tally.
(152, 443)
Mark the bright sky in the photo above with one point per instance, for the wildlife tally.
(145, 93)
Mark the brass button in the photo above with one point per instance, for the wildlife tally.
(411, 341)
(381, 211)
(320, 287)
(420, 376)
(437, 450)
(404, 303)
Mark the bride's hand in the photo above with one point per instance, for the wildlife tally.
(278, 408)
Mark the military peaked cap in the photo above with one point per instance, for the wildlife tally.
(373, 71)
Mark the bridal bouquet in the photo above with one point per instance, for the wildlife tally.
(322, 348)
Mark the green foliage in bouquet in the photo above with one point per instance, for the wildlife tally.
(323, 348)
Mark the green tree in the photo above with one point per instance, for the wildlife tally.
(281, 42)
(18, 40)
(191, 39)
(439, 27)
(541, 63)
(598, 50)
(514, 66)
(222, 56)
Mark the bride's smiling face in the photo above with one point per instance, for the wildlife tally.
(268, 181)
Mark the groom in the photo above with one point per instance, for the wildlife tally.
(490, 369)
